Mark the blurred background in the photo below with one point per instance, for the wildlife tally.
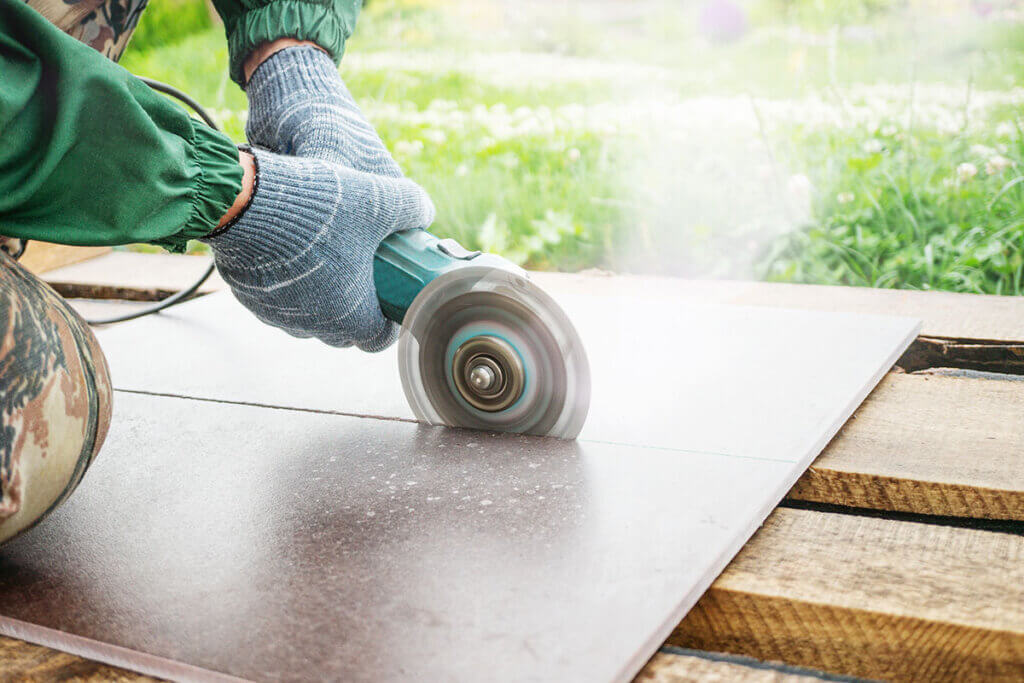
(858, 142)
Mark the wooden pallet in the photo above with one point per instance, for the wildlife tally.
(42, 257)
(899, 554)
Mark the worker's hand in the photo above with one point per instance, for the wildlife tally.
(300, 255)
(298, 105)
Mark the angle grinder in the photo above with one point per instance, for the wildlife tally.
(481, 345)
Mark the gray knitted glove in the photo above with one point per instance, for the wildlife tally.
(300, 256)
(299, 105)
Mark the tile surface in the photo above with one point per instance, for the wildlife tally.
(288, 545)
(287, 542)
(758, 382)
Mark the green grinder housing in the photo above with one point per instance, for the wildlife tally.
(481, 346)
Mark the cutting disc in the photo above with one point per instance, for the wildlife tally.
(485, 348)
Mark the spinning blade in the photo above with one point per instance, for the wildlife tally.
(486, 348)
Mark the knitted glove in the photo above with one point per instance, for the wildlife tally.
(299, 105)
(300, 256)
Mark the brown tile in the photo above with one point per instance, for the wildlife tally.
(759, 382)
(290, 545)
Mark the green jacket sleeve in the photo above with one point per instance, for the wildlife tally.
(89, 155)
(249, 23)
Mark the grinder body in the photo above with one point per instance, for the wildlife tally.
(481, 345)
(408, 261)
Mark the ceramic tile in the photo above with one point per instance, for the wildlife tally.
(213, 538)
(285, 543)
(758, 382)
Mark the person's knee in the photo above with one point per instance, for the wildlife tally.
(55, 399)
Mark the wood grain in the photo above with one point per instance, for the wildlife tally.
(968, 354)
(21, 661)
(132, 276)
(956, 316)
(27, 662)
(41, 257)
(869, 597)
(929, 445)
(667, 667)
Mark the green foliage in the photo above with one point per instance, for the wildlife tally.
(891, 204)
(410, 23)
(528, 198)
(166, 22)
(819, 14)
(926, 211)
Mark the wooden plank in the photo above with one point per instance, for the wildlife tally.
(41, 257)
(666, 667)
(21, 661)
(869, 597)
(982, 356)
(24, 661)
(931, 445)
(955, 316)
(133, 276)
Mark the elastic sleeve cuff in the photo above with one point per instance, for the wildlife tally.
(286, 19)
(217, 185)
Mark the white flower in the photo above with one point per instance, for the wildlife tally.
(966, 171)
(997, 164)
(982, 150)
(443, 105)
(573, 155)
(1006, 129)
(845, 197)
(872, 146)
(408, 148)
(461, 170)
(890, 130)
(799, 185)
(508, 159)
(436, 136)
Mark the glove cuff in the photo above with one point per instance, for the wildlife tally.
(272, 220)
(255, 187)
(299, 204)
(302, 68)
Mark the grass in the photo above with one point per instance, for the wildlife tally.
(884, 152)
(904, 217)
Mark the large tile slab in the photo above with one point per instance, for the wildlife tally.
(758, 382)
(292, 545)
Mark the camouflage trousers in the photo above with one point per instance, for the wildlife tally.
(55, 395)
(55, 399)
(105, 25)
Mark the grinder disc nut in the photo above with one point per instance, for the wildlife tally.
(488, 373)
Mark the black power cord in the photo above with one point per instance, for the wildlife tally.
(184, 294)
